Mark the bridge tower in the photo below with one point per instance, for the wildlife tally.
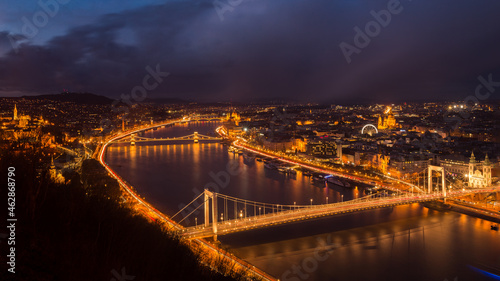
(487, 171)
(438, 169)
(206, 206)
(196, 137)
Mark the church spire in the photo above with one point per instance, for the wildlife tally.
(15, 112)
(472, 158)
(487, 160)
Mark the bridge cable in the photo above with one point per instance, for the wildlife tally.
(193, 211)
(187, 206)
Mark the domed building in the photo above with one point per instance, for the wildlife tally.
(387, 120)
(233, 117)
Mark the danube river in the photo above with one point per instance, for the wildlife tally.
(402, 243)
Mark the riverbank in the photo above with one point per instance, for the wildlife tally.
(451, 205)
(80, 229)
(146, 168)
(457, 207)
(317, 167)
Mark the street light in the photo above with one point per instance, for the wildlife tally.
(326, 199)
(196, 222)
(311, 202)
(342, 198)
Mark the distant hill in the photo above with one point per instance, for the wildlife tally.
(167, 100)
(82, 98)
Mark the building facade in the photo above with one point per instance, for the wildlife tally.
(479, 176)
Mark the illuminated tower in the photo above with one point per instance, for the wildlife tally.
(387, 120)
(15, 112)
(487, 171)
(472, 165)
(52, 169)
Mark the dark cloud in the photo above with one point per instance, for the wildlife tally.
(10, 42)
(263, 49)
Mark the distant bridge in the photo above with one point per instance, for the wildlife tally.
(195, 137)
(202, 118)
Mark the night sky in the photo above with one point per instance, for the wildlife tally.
(251, 49)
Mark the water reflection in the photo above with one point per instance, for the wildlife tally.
(401, 243)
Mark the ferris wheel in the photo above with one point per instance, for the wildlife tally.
(369, 129)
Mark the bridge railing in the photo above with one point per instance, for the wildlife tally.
(324, 209)
(304, 209)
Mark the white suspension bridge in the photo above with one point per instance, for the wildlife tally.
(238, 214)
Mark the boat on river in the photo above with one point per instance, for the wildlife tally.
(318, 177)
(334, 180)
(270, 166)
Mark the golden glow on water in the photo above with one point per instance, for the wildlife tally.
(479, 224)
(196, 148)
(132, 153)
(374, 239)
(463, 218)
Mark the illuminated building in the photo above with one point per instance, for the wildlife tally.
(478, 178)
(299, 145)
(55, 175)
(455, 165)
(387, 120)
(21, 121)
(234, 117)
(52, 169)
(383, 162)
(324, 149)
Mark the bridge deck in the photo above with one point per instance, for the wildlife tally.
(315, 211)
(165, 140)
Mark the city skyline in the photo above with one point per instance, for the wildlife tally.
(281, 173)
(236, 140)
(319, 51)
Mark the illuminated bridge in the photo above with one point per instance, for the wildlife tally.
(196, 137)
(203, 118)
(237, 214)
